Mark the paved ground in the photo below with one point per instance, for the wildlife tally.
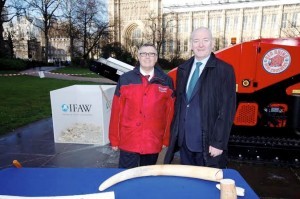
(34, 146)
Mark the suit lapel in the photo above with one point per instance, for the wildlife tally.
(186, 68)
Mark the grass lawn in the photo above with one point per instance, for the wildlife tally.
(25, 99)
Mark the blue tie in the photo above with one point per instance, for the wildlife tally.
(193, 80)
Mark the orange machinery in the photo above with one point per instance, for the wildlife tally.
(267, 82)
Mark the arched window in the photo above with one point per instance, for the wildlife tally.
(136, 37)
(133, 36)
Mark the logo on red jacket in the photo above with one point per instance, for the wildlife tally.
(162, 89)
(276, 60)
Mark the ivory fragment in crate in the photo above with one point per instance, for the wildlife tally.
(104, 195)
(205, 173)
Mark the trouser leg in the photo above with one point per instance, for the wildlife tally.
(128, 159)
(131, 159)
(148, 159)
(188, 157)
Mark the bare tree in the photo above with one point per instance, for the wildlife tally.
(9, 36)
(159, 26)
(94, 38)
(8, 10)
(91, 24)
(44, 9)
(68, 8)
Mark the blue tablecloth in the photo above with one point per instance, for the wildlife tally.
(73, 181)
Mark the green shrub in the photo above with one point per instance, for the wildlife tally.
(176, 62)
(164, 63)
(12, 64)
(34, 64)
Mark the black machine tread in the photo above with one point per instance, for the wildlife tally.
(264, 149)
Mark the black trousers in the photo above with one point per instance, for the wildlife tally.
(131, 160)
(188, 157)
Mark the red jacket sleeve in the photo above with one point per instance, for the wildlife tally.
(114, 123)
(170, 113)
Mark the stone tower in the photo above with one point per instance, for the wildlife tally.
(132, 20)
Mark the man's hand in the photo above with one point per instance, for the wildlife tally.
(115, 148)
(214, 151)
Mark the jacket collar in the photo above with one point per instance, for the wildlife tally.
(186, 68)
(211, 63)
(188, 64)
(158, 73)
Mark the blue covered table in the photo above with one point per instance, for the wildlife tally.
(73, 181)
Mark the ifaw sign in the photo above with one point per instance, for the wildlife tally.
(81, 113)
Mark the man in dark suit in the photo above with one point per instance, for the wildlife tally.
(205, 106)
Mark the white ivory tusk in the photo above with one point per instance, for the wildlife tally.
(239, 190)
(205, 173)
(104, 195)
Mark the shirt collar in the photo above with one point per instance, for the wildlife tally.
(203, 61)
(151, 73)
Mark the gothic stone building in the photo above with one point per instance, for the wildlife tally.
(169, 25)
(29, 41)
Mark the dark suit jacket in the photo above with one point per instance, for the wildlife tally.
(217, 94)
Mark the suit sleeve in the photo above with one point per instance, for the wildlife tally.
(227, 111)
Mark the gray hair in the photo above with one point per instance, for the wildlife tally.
(202, 28)
(147, 45)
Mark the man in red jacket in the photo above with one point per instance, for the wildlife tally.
(142, 111)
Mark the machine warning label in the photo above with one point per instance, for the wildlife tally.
(276, 60)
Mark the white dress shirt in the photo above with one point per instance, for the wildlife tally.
(203, 61)
(144, 73)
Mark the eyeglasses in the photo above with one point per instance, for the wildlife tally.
(147, 54)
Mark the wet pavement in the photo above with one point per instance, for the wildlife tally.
(33, 146)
